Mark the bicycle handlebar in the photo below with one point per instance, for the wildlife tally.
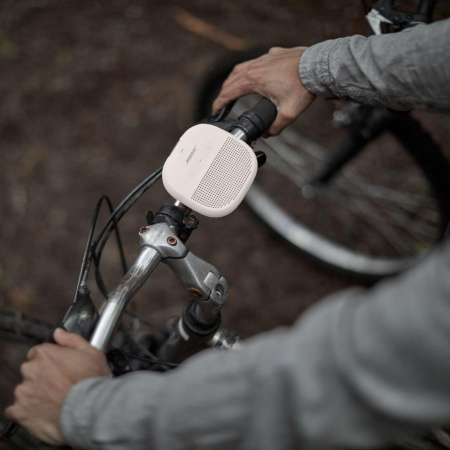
(251, 124)
(257, 120)
(145, 264)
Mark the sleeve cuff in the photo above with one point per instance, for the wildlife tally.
(75, 421)
(314, 68)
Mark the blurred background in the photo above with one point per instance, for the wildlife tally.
(94, 95)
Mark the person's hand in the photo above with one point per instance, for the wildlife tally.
(275, 76)
(48, 376)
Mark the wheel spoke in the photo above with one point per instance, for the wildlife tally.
(399, 238)
(395, 207)
(382, 210)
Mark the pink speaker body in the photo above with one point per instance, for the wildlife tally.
(210, 170)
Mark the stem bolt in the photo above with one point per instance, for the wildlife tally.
(171, 240)
(197, 293)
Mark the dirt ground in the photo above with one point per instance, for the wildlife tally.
(94, 95)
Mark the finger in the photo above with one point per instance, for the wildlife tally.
(70, 340)
(238, 68)
(32, 353)
(28, 371)
(238, 72)
(226, 97)
(36, 350)
(241, 86)
(285, 117)
(241, 68)
(236, 85)
(276, 128)
(10, 413)
(229, 92)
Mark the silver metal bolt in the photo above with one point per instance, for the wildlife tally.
(171, 240)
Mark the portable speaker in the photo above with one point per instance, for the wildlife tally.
(210, 170)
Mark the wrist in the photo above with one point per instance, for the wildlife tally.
(314, 69)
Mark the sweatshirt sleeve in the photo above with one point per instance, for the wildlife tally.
(358, 370)
(405, 70)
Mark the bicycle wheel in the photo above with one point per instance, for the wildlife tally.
(384, 209)
(17, 336)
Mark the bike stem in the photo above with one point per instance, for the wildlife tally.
(162, 241)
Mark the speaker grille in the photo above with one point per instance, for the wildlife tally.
(225, 177)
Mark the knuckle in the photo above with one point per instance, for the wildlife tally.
(36, 351)
(275, 50)
(43, 349)
(24, 369)
(237, 68)
(252, 75)
(32, 352)
(10, 413)
(19, 391)
(27, 370)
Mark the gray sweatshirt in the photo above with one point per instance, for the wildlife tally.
(356, 371)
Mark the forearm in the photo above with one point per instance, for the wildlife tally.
(402, 71)
(358, 370)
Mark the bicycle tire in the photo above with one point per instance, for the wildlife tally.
(17, 335)
(305, 223)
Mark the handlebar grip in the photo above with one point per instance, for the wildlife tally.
(266, 111)
(257, 120)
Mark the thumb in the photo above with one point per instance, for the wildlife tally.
(70, 340)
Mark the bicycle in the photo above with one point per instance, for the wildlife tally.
(131, 346)
(17, 324)
(402, 205)
(138, 345)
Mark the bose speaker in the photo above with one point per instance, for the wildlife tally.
(210, 170)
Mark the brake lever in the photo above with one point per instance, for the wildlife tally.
(218, 119)
(220, 116)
